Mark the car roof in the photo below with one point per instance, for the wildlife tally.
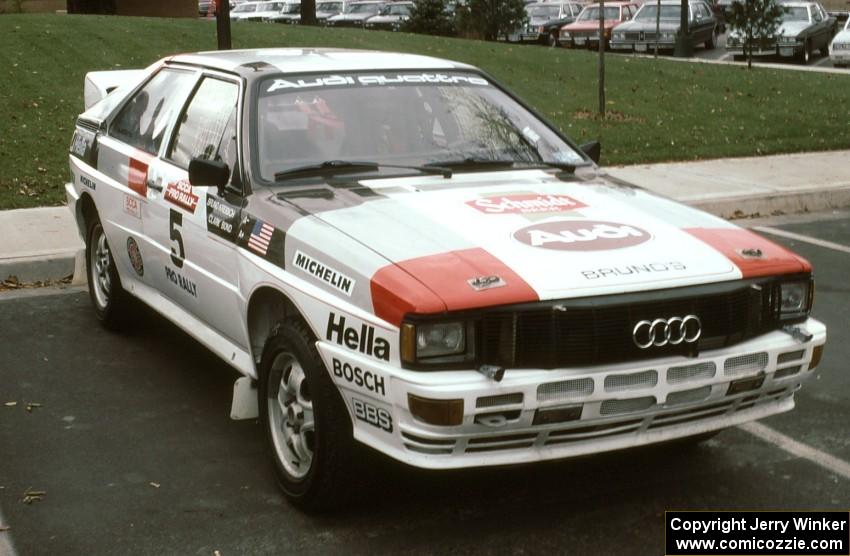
(305, 60)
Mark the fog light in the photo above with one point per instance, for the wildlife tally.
(557, 415)
(745, 385)
(445, 413)
(817, 353)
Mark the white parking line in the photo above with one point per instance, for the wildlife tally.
(804, 239)
(6, 546)
(788, 444)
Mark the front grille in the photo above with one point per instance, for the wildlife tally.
(592, 331)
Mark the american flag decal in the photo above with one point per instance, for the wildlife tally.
(260, 238)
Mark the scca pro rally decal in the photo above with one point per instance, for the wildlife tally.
(323, 272)
(181, 194)
(363, 340)
(375, 80)
(581, 235)
(181, 282)
(135, 256)
(524, 204)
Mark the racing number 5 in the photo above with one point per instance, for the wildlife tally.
(175, 223)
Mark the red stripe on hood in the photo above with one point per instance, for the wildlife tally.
(774, 258)
(439, 283)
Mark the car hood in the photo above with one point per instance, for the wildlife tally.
(540, 237)
(351, 17)
(589, 25)
(842, 37)
(665, 26)
(385, 19)
(792, 28)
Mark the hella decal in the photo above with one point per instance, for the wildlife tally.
(525, 204)
(359, 377)
(375, 416)
(135, 256)
(181, 194)
(627, 270)
(581, 235)
(362, 340)
(326, 274)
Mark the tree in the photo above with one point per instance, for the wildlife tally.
(491, 19)
(430, 17)
(757, 21)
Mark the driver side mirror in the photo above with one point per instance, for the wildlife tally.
(593, 150)
(214, 173)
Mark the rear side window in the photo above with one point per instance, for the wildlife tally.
(208, 127)
(142, 122)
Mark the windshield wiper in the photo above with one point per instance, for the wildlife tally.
(473, 162)
(331, 167)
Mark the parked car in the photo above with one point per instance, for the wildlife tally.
(638, 35)
(806, 27)
(584, 31)
(205, 7)
(256, 11)
(839, 48)
(545, 20)
(290, 13)
(393, 250)
(356, 14)
(391, 17)
(325, 10)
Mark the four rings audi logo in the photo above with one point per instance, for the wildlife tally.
(672, 331)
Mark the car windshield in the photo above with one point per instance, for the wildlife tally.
(291, 9)
(550, 12)
(407, 118)
(796, 13)
(329, 7)
(396, 9)
(593, 13)
(244, 8)
(364, 8)
(649, 12)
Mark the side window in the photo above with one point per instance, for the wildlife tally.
(208, 127)
(141, 123)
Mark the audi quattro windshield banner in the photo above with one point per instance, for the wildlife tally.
(757, 533)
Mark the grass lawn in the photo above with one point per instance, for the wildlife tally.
(658, 110)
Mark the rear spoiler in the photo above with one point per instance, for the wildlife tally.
(98, 84)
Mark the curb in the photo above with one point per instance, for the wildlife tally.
(40, 268)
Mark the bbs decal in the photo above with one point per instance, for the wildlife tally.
(375, 416)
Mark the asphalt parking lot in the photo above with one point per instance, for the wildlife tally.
(133, 450)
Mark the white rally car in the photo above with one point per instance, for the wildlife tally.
(394, 249)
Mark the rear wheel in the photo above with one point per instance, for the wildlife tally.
(307, 425)
(806, 54)
(711, 43)
(111, 302)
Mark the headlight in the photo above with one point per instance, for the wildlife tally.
(565, 34)
(795, 299)
(437, 343)
(619, 36)
(668, 36)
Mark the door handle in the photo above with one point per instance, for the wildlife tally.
(155, 184)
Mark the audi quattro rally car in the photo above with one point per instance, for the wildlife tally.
(394, 249)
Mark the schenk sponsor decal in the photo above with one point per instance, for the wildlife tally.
(181, 194)
(362, 340)
(524, 204)
(581, 235)
(326, 274)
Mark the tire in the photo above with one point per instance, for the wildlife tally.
(307, 426)
(112, 305)
(711, 43)
(806, 55)
(824, 50)
(553, 40)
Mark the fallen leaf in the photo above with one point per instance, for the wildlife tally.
(154, 485)
(10, 404)
(32, 405)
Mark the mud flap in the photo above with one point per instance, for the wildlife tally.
(244, 404)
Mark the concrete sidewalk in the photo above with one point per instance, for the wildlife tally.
(43, 244)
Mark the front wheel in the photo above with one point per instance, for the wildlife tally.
(307, 425)
(553, 40)
(711, 43)
(806, 54)
(111, 302)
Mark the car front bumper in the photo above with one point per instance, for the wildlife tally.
(840, 57)
(610, 407)
(640, 46)
(782, 50)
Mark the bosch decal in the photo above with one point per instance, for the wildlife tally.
(222, 218)
(181, 194)
(326, 274)
(525, 204)
(363, 340)
(181, 281)
(88, 182)
(359, 377)
(132, 206)
(135, 256)
(627, 270)
(375, 416)
(581, 235)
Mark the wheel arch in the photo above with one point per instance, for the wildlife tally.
(86, 210)
(267, 306)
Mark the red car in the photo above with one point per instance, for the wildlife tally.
(584, 32)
